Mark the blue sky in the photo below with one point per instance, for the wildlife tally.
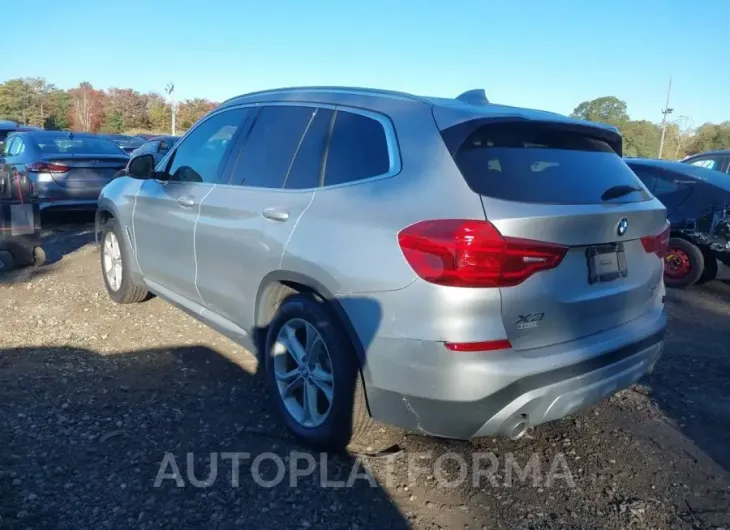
(547, 54)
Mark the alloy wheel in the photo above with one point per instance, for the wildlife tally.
(303, 372)
(112, 256)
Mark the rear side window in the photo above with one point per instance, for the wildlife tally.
(543, 164)
(709, 163)
(8, 146)
(270, 147)
(358, 149)
(18, 147)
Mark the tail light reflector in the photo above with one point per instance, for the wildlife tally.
(490, 345)
(657, 244)
(471, 253)
(43, 167)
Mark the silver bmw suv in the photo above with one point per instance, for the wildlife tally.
(449, 266)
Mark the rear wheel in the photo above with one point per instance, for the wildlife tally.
(114, 266)
(314, 378)
(684, 263)
(711, 269)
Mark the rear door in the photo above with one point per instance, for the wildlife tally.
(245, 225)
(166, 210)
(547, 183)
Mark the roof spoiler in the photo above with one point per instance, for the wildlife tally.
(476, 96)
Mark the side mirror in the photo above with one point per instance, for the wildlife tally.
(141, 167)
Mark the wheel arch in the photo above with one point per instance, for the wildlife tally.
(104, 212)
(266, 296)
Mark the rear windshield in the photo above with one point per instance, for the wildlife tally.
(541, 164)
(82, 146)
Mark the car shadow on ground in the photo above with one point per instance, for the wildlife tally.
(697, 352)
(65, 232)
(149, 438)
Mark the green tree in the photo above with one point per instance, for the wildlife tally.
(191, 110)
(59, 102)
(607, 109)
(641, 138)
(16, 100)
(159, 114)
(710, 136)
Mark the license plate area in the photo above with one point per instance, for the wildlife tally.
(606, 263)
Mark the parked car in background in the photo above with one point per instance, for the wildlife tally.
(698, 207)
(718, 160)
(67, 170)
(126, 143)
(157, 146)
(439, 264)
(7, 127)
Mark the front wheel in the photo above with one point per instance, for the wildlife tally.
(684, 263)
(115, 261)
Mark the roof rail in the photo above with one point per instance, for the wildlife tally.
(331, 89)
(476, 96)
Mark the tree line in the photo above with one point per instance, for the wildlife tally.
(35, 101)
(642, 137)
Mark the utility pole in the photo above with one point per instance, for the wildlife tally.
(666, 111)
(170, 89)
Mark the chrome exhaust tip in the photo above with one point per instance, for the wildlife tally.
(519, 428)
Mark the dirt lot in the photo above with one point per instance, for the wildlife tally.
(93, 396)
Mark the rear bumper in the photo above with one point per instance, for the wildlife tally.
(51, 195)
(485, 394)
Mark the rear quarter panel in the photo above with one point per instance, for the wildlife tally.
(348, 238)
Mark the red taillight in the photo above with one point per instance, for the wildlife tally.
(490, 345)
(43, 167)
(468, 253)
(657, 244)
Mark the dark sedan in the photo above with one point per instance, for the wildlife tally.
(698, 207)
(125, 142)
(7, 127)
(67, 170)
(157, 146)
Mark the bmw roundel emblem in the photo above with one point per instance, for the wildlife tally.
(623, 226)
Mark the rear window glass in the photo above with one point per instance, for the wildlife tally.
(542, 164)
(86, 146)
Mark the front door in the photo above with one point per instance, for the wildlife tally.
(167, 208)
(245, 225)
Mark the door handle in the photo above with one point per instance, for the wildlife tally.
(276, 214)
(187, 201)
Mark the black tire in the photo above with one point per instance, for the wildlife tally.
(709, 273)
(7, 261)
(696, 263)
(128, 292)
(348, 425)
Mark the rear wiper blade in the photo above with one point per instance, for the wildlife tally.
(614, 192)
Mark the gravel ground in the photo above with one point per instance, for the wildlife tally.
(101, 403)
